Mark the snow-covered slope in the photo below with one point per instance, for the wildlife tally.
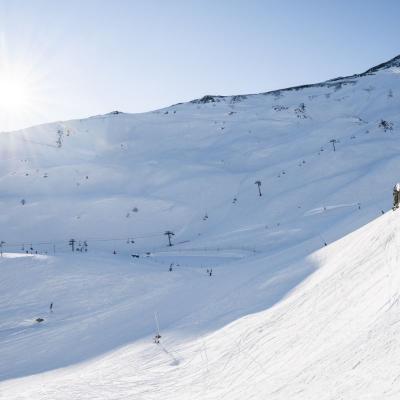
(335, 336)
(119, 181)
(122, 175)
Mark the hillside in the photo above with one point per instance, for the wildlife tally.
(282, 316)
(334, 336)
(139, 175)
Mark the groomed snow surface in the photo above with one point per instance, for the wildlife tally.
(282, 316)
(334, 336)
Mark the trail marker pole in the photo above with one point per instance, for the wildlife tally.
(157, 337)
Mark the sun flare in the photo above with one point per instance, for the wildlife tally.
(14, 93)
(21, 95)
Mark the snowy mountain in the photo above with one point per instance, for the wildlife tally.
(281, 316)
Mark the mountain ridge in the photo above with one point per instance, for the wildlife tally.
(393, 62)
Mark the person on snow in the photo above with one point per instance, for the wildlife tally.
(396, 196)
(157, 338)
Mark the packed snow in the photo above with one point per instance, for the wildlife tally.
(281, 281)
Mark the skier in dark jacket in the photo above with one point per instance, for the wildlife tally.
(396, 196)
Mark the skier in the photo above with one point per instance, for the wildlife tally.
(157, 338)
(396, 196)
(51, 307)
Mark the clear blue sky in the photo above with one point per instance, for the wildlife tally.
(89, 57)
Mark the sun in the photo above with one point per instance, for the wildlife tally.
(15, 93)
(26, 92)
(21, 95)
